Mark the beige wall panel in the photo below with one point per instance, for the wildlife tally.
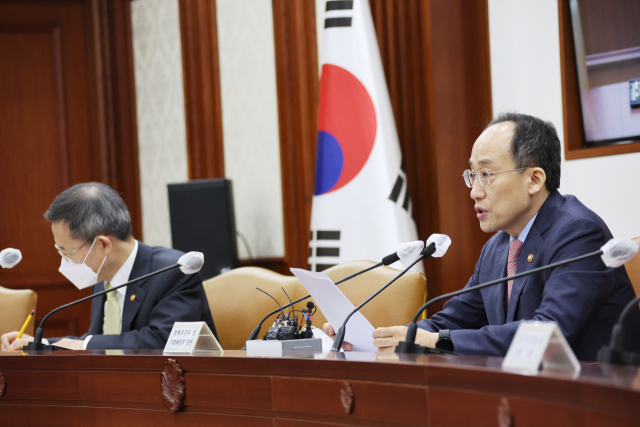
(250, 122)
(160, 109)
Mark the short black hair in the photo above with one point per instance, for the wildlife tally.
(91, 209)
(535, 143)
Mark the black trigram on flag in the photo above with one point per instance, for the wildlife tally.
(338, 21)
(326, 246)
(398, 188)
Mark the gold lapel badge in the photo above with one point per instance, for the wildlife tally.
(529, 258)
(134, 297)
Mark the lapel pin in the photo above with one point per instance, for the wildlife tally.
(134, 297)
(529, 258)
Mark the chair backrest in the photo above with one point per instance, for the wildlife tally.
(396, 305)
(633, 270)
(237, 307)
(15, 307)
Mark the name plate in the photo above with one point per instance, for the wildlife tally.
(540, 343)
(192, 338)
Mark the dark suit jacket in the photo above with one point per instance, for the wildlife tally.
(159, 302)
(584, 298)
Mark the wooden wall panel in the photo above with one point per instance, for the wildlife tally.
(67, 115)
(115, 107)
(203, 108)
(296, 49)
(462, 107)
(34, 145)
(436, 60)
(404, 38)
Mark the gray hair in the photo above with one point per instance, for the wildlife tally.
(89, 210)
(535, 144)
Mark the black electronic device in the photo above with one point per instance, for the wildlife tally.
(444, 340)
(203, 219)
(634, 93)
(387, 260)
(286, 326)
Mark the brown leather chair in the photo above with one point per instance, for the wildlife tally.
(15, 307)
(237, 307)
(396, 305)
(633, 269)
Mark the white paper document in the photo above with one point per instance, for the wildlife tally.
(336, 307)
(327, 342)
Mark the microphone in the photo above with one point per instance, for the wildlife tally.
(614, 353)
(614, 253)
(191, 262)
(310, 310)
(10, 257)
(274, 331)
(281, 309)
(188, 263)
(437, 246)
(408, 251)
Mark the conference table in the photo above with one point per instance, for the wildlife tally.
(138, 388)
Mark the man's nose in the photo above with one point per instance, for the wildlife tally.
(477, 190)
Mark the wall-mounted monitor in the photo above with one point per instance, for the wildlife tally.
(606, 37)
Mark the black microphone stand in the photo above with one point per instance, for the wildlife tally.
(389, 259)
(409, 345)
(338, 340)
(36, 344)
(614, 354)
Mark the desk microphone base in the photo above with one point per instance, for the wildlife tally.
(41, 347)
(405, 347)
(614, 356)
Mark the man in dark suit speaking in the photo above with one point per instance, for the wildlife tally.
(514, 177)
(92, 232)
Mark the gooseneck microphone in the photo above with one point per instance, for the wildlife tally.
(10, 257)
(405, 252)
(437, 246)
(614, 353)
(188, 263)
(614, 253)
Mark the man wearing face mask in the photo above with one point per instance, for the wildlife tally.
(92, 233)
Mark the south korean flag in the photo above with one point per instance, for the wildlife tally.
(361, 206)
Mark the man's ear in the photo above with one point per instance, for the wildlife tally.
(537, 180)
(105, 243)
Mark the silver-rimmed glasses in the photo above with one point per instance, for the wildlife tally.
(483, 175)
(66, 256)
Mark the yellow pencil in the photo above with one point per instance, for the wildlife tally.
(26, 323)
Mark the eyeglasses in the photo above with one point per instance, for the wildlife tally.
(66, 256)
(483, 175)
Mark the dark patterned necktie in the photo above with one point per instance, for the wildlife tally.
(512, 263)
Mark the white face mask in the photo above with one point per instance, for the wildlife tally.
(81, 275)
